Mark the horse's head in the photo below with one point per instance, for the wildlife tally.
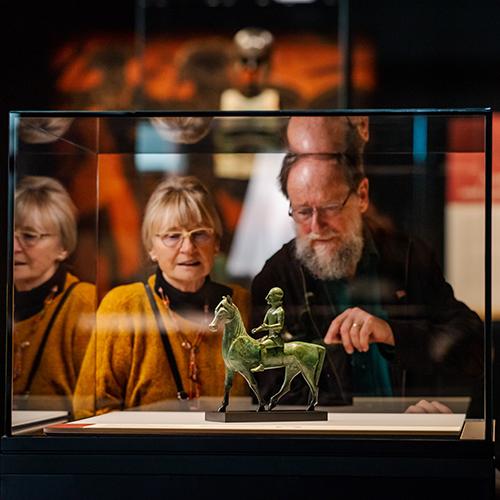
(224, 312)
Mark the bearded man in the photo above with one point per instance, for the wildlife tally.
(377, 298)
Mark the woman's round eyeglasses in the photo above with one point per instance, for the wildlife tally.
(200, 236)
(30, 238)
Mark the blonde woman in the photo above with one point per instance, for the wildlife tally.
(152, 341)
(53, 310)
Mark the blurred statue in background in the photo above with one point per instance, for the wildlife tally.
(250, 72)
(251, 79)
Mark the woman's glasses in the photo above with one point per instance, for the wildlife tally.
(30, 238)
(200, 236)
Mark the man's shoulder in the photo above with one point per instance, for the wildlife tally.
(400, 252)
(391, 244)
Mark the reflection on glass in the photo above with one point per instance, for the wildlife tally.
(43, 130)
(182, 129)
(53, 310)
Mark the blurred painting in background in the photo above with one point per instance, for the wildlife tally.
(192, 71)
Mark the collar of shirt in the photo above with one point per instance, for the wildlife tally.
(27, 304)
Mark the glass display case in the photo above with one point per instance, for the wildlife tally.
(305, 276)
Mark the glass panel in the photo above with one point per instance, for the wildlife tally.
(54, 264)
(373, 227)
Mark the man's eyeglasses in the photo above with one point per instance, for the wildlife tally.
(30, 238)
(330, 211)
(200, 236)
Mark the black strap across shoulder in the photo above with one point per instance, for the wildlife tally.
(181, 393)
(39, 354)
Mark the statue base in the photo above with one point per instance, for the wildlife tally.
(266, 416)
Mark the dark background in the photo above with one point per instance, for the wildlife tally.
(428, 54)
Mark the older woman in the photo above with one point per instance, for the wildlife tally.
(152, 341)
(53, 310)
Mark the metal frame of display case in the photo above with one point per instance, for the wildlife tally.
(281, 466)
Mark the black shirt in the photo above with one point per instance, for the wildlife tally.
(27, 304)
(188, 304)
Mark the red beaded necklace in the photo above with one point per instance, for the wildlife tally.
(191, 348)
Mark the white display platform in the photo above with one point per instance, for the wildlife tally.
(130, 422)
(23, 420)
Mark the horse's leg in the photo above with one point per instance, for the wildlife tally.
(248, 376)
(228, 383)
(308, 375)
(311, 375)
(313, 379)
(290, 373)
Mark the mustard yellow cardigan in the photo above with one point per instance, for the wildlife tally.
(126, 365)
(54, 382)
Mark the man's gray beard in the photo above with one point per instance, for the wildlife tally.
(327, 264)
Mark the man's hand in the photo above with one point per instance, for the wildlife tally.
(424, 406)
(356, 329)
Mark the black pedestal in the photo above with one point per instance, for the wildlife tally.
(266, 416)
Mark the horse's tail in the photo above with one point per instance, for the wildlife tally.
(319, 366)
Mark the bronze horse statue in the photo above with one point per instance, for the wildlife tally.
(242, 353)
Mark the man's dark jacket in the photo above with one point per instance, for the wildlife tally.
(439, 340)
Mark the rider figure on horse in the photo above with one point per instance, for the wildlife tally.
(274, 323)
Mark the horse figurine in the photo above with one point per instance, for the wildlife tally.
(242, 353)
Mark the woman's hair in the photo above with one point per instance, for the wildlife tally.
(43, 202)
(179, 202)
